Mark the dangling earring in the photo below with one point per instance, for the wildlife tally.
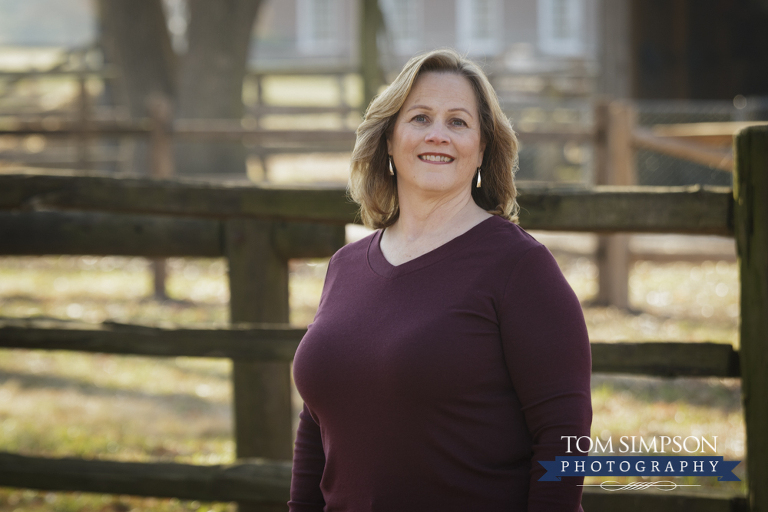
(479, 179)
(391, 168)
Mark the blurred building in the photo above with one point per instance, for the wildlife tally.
(516, 33)
(68, 23)
(702, 50)
(644, 49)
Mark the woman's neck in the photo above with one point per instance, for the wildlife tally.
(424, 226)
(420, 218)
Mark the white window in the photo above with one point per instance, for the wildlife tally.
(479, 26)
(318, 26)
(560, 27)
(404, 20)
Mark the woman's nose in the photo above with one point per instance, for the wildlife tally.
(437, 134)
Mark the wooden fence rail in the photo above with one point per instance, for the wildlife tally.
(614, 137)
(151, 236)
(244, 225)
(255, 482)
(265, 342)
(607, 209)
(260, 482)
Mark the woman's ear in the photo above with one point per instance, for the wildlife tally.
(389, 145)
(482, 154)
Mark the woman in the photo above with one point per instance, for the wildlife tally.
(448, 354)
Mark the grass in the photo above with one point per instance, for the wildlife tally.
(178, 409)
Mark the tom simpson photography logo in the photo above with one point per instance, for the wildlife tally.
(692, 459)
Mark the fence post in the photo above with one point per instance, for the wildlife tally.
(750, 193)
(371, 22)
(160, 166)
(615, 165)
(84, 120)
(259, 114)
(258, 283)
(160, 143)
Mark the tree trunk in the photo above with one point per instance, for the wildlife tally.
(135, 38)
(371, 24)
(211, 80)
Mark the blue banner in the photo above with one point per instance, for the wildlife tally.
(650, 465)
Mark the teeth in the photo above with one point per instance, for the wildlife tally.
(436, 158)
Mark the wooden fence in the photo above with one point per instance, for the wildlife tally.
(259, 227)
(614, 137)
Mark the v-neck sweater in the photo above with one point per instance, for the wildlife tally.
(439, 384)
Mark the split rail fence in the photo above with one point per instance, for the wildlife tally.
(614, 137)
(259, 227)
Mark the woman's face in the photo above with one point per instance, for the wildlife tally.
(436, 142)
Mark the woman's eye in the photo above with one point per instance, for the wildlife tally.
(420, 118)
(458, 122)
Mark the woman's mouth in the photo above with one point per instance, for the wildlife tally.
(436, 158)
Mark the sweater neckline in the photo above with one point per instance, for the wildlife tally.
(381, 266)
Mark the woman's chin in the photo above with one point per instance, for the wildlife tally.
(433, 183)
(431, 187)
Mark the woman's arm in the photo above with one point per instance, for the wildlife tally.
(308, 453)
(308, 465)
(547, 352)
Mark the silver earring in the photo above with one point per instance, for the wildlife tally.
(479, 179)
(391, 167)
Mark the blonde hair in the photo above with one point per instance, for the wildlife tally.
(375, 190)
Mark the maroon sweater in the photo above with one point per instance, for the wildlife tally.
(437, 385)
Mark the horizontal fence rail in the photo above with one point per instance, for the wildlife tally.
(107, 234)
(229, 129)
(666, 359)
(257, 481)
(261, 482)
(695, 210)
(265, 342)
(691, 151)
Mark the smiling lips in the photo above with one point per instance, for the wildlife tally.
(435, 158)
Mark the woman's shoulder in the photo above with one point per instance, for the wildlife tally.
(355, 249)
(510, 247)
(508, 240)
(528, 264)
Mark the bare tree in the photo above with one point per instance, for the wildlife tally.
(135, 39)
(204, 83)
(211, 79)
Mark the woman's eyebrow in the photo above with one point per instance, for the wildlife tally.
(461, 109)
(424, 107)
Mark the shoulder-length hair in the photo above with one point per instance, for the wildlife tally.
(370, 183)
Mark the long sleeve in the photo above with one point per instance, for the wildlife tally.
(308, 465)
(405, 373)
(548, 356)
(308, 453)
